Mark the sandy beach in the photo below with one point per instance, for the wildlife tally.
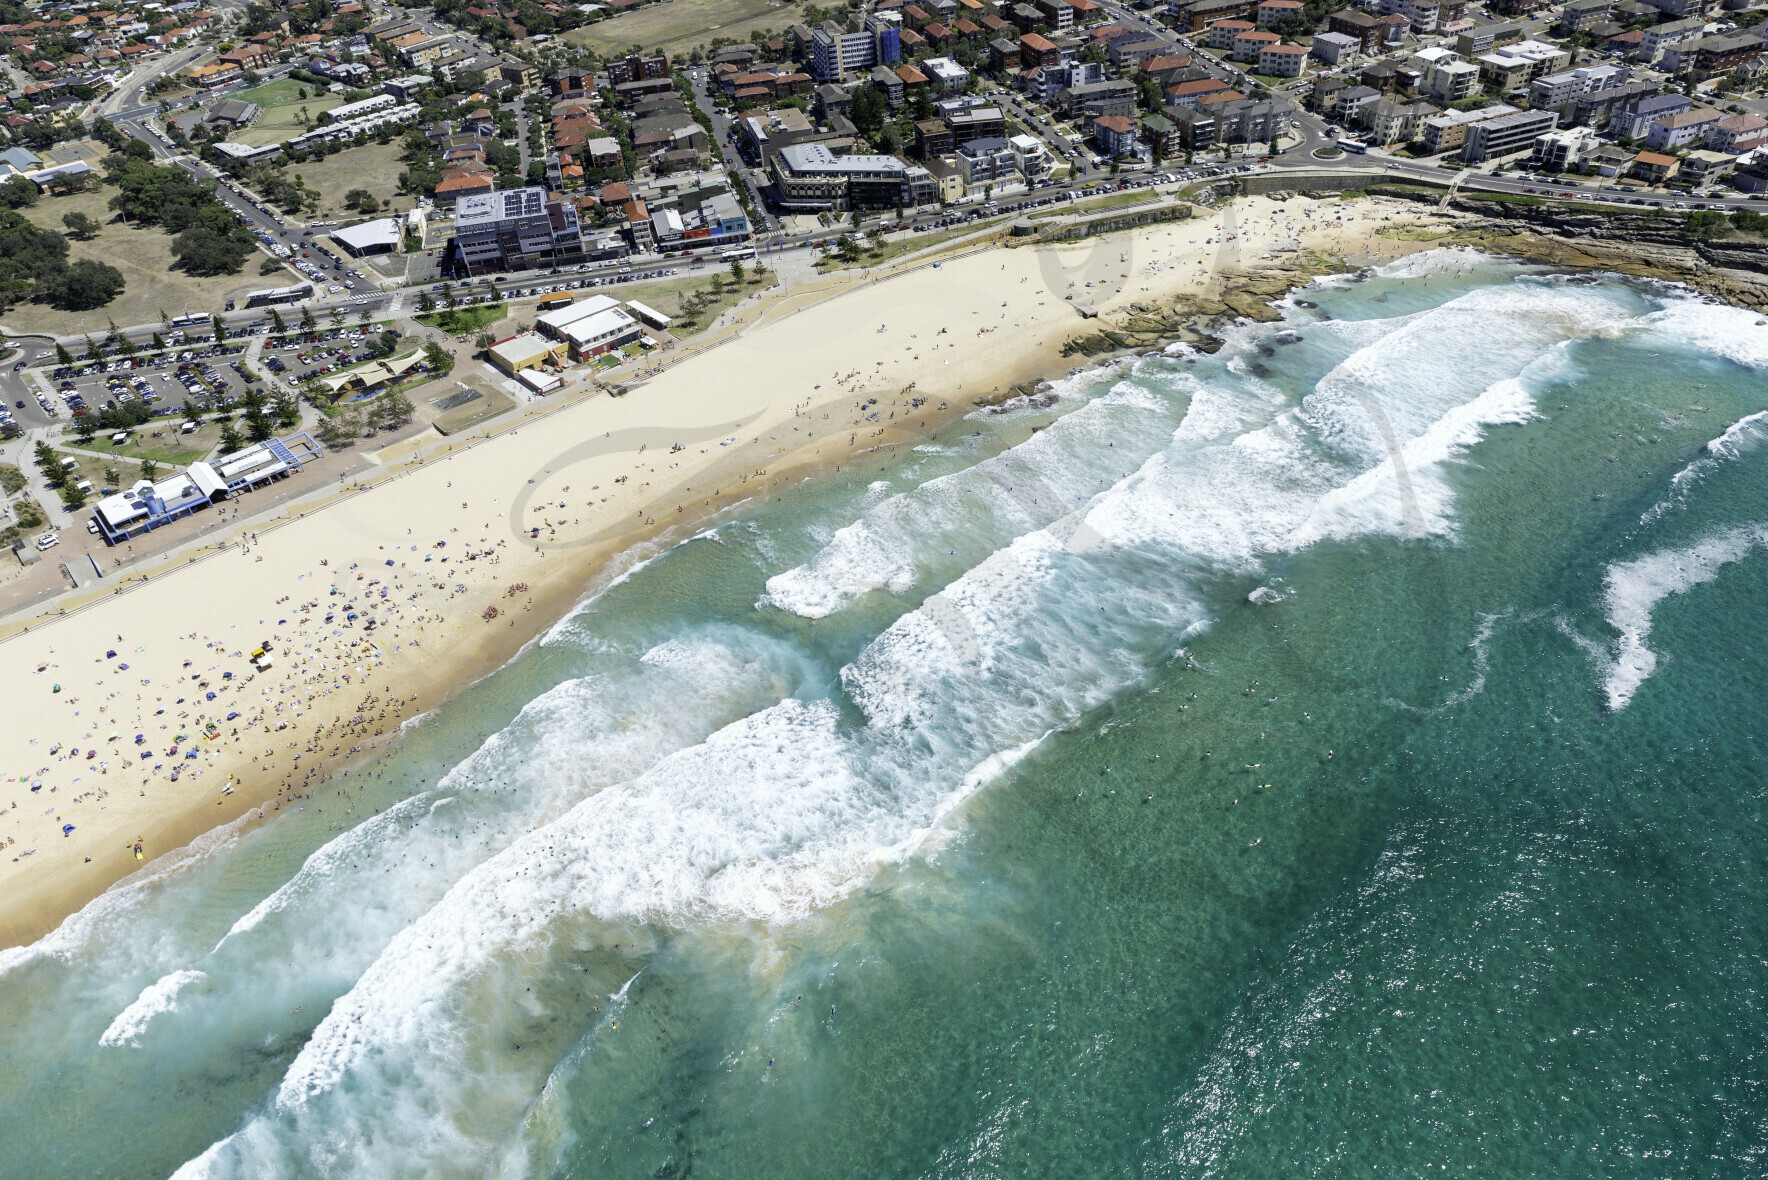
(141, 722)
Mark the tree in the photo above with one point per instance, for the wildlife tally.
(72, 495)
(85, 285)
(219, 326)
(287, 412)
(868, 110)
(425, 304)
(63, 357)
(356, 198)
(276, 322)
(230, 440)
(205, 251)
(149, 469)
(258, 423)
(18, 193)
(308, 323)
(392, 409)
(737, 272)
(80, 226)
(159, 342)
(484, 340)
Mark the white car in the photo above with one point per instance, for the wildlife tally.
(334, 289)
(47, 540)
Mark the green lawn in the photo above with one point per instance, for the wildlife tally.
(170, 450)
(272, 93)
(281, 120)
(464, 320)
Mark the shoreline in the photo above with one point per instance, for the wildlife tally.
(769, 379)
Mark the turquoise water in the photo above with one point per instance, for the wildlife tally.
(1340, 755)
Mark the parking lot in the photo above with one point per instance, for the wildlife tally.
(307, 357)
(201, 378)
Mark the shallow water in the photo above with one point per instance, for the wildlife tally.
(1336, 755)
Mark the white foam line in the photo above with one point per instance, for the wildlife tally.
(156, 998)
(1634, 588)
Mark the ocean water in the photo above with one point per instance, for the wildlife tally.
(1337, 755)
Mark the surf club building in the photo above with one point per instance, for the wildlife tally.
(152, 504)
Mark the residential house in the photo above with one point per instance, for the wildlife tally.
(1654, 167)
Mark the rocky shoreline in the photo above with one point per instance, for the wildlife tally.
(1720, 261)
(1648, 243)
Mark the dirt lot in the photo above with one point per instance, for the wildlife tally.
(279, 116)
(676, 26)
(144, 255)
(375, 167)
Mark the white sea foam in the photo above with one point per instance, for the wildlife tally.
(1098, 564)
(576, 738)
(1633, 589)
(1741, 437)
(1715, 329)
(156, 998)
(899, 538)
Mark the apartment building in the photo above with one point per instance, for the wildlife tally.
(1654, 41)
(1447, 132)
(1563, 149)
(1492, 139)
(1557, 90)
(810, 177)
(1282, 61)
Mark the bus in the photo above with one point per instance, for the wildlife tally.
(737, 252)
(1353, 145)
(552, 301)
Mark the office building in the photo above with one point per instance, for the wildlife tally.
(518, 229)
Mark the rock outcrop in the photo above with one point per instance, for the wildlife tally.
(1650, 243)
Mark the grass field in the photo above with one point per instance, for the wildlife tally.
(375, 167)
(676, 26)
(144, 255)
(170, 450)
(464, 320)
(94, 470)
(279, 116)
